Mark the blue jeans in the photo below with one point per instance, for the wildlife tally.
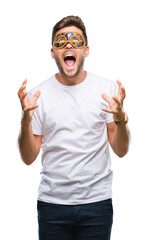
(91, 221)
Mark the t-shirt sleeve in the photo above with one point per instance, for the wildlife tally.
(36, 118)
(113, 92)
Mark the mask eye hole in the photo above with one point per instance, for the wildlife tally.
(61, 39)
(75, 39)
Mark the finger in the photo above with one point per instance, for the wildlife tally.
(106, 110)
(22, 92)
(24, 84)
(25, 81)
(121, 92)
(27, 109)
(116, 100)
(110, 110)
(36, 95)
(120, 86)
(22, 87)
(119, 83)
(106, 97)
(22, 98)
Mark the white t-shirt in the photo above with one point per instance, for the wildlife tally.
(76, 160)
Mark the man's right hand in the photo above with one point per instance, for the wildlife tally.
(28, 105)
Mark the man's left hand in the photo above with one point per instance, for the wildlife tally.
(116, 103)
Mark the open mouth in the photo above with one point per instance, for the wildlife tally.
(69, 60)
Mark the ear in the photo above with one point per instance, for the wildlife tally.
(86, 51)
(52, 53)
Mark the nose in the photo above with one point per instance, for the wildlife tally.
(68, 45)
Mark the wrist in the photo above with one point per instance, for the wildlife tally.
(26, 119)
(119, 117)
(122, 119)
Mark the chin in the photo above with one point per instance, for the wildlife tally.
(71, 74)
(67, 71)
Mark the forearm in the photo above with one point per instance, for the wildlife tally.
(120, 140)
(27, 144)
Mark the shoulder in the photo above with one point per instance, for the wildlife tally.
(44, 87)
(101, 83)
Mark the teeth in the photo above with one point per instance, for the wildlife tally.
(69, 55)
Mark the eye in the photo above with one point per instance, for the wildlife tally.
(60, 39)
(75, 39)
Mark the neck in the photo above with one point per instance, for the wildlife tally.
(65, 80)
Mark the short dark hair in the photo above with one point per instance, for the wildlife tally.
(70, 21)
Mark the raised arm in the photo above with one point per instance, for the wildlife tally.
(29, 144)
(118, 132)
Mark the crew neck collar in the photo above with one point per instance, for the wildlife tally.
(72, 86)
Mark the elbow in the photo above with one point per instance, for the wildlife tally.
(122, 153)
(28, 161)
(26, 157)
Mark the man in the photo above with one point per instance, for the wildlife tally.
(73, 115)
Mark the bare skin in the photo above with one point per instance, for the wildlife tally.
(29, 144)
(118, 135)
(76, 74)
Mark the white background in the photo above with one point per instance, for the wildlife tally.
(118, 40)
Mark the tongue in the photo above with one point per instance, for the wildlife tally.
(69, 63)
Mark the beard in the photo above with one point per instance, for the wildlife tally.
(70, 74)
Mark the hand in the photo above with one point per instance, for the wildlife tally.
(28, 105)
(116, 103)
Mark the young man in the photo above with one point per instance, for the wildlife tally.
(73, 116)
